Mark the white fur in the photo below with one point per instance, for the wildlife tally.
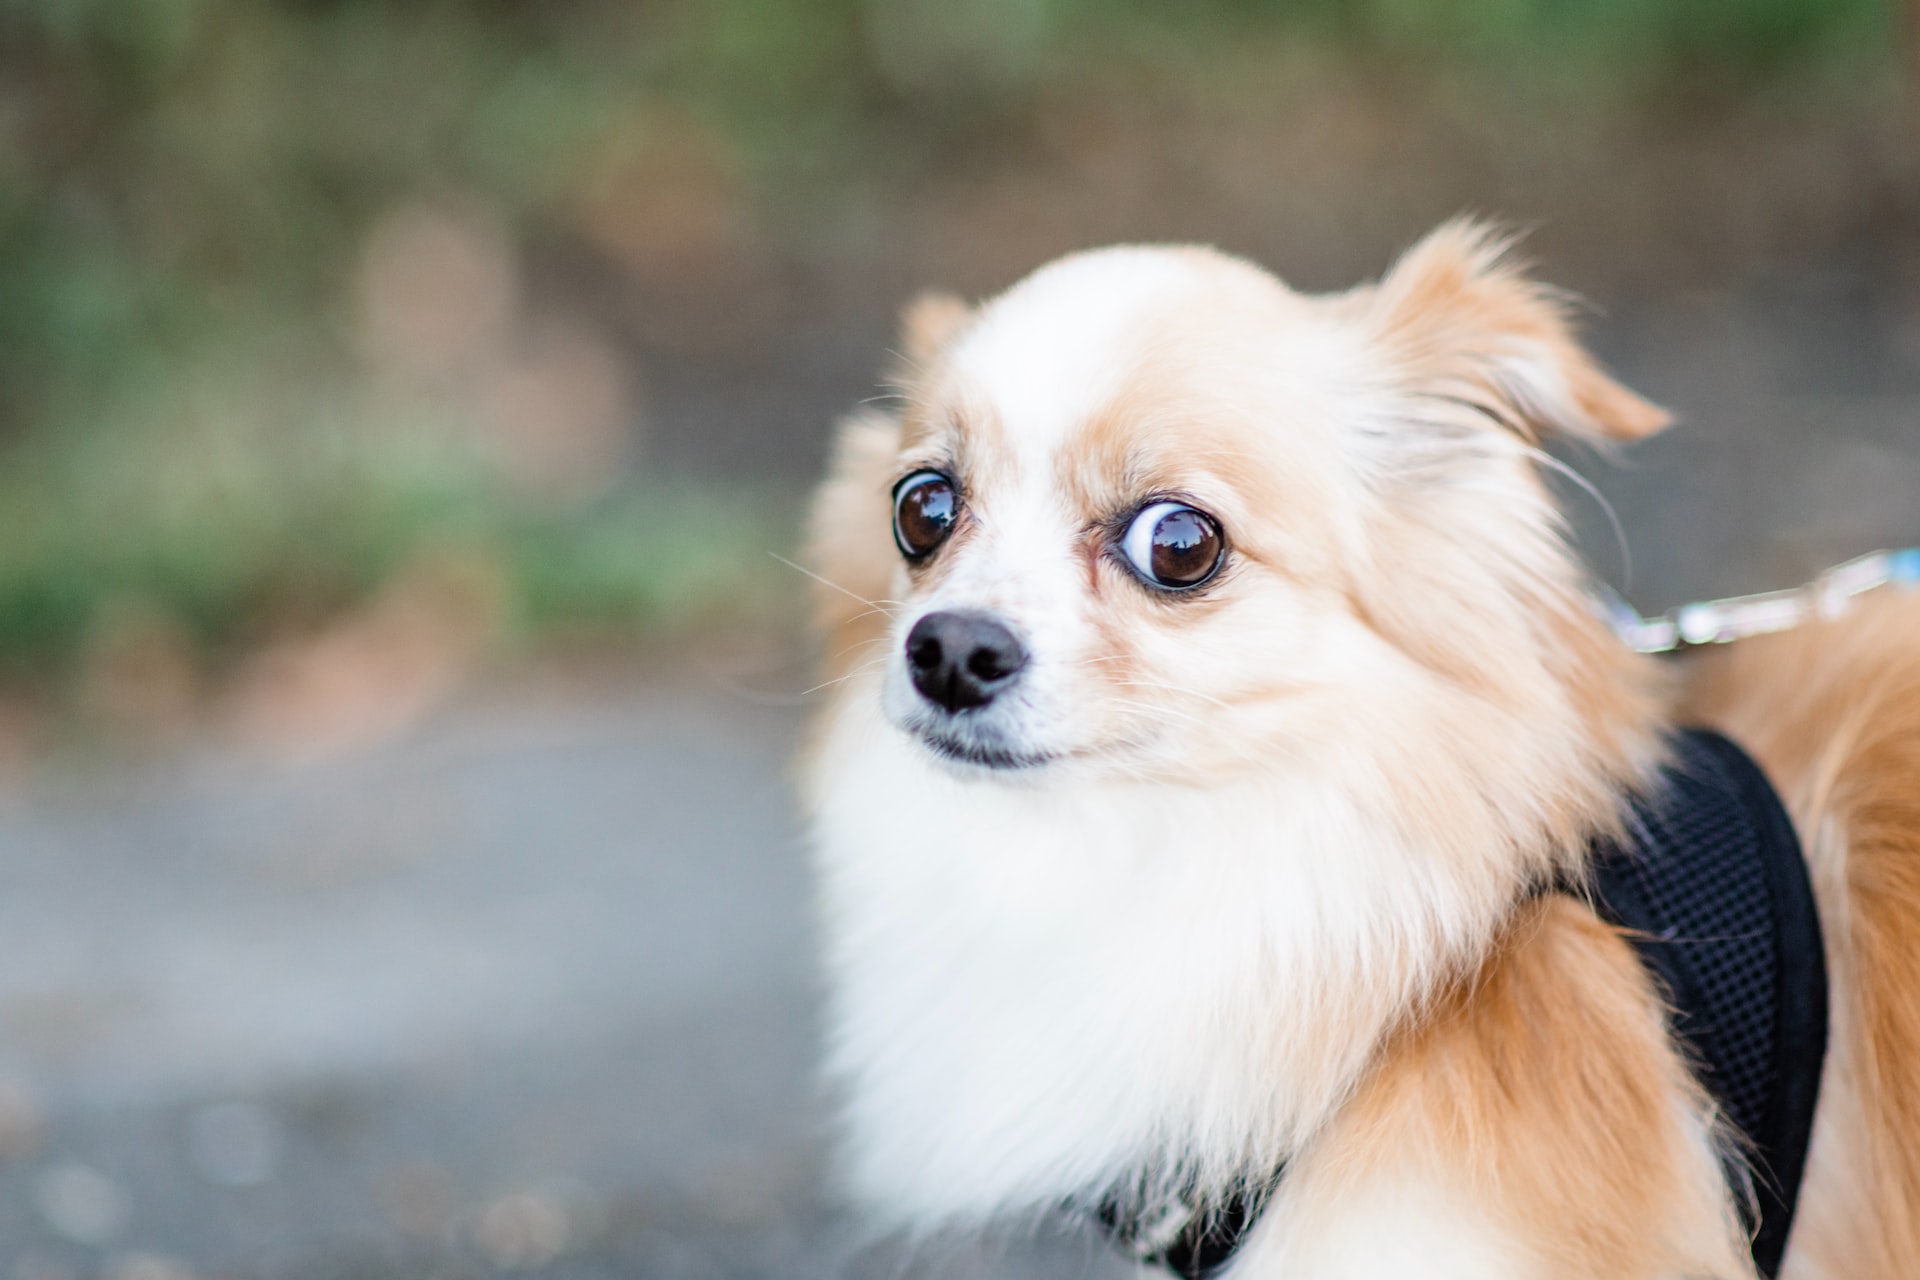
(1400, 1227)
(1017, 1012)
(1085, 306)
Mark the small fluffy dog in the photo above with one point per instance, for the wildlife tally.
(1212, 694)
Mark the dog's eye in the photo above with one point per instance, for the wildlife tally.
(924, 509)
(1173, 546)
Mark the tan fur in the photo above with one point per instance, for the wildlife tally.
(856, 571)
(929, 323)
(1464, 316)
(1545, 1082)
(1476, 347)
(1832, 711)
(1463, 323)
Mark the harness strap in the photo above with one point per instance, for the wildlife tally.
(1713, 893)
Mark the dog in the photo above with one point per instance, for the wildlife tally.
(1218, 735)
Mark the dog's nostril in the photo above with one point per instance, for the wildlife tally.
(988, 664)
(925, 652)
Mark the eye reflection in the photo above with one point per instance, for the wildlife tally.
(925, 507)
(1173, 546)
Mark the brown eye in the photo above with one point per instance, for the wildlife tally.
(1173, 546)
(924, 509)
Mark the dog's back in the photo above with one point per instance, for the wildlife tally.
(1832, 711)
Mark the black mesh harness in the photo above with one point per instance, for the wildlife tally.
(1713, 893)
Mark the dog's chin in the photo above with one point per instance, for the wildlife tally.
(968, 751)
(977, 757)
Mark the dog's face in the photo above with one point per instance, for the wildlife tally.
(1118, 514)
(1152, 514)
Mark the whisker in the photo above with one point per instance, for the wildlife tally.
(1241, 752)
(1558, 467)
(860, 670)
(1174, 688)
(882, 606)
(1152, 684)
(760, 697)
(1130, 705)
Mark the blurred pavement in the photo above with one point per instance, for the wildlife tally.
(527, 992)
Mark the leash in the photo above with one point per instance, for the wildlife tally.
(1707, 622)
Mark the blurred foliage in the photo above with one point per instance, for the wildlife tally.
(187, 187)
(242, 544)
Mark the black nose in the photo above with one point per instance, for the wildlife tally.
(961, 660)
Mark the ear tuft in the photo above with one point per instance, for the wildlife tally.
(847, 547)
(1465, 321)
(930, 322)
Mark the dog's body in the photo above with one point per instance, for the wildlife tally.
(1183, 870)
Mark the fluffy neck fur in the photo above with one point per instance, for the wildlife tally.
(1056, 990)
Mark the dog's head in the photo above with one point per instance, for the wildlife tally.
(1150, 513)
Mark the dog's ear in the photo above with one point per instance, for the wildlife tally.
(929, 323)
(1465, 324)
(848, 544)
(849, 548)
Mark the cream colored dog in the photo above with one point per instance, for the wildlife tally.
(1212, 689)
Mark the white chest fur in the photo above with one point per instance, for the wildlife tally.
(1036, 991)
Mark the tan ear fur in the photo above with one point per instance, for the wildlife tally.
(848, 547)
(1468, 324)
(847, 543)
(1480, 364)
(929, 322)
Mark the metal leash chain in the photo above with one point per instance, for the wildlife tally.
(1718, 621)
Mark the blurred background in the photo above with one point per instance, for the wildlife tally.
(402, 407)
